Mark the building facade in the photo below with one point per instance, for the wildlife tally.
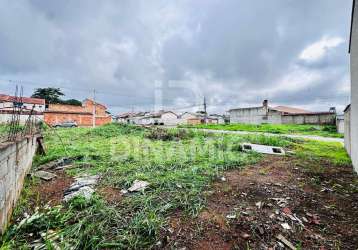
(82, 115)
(280, 115)
(28, 104)
(33, 106)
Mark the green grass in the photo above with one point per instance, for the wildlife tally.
(180, 166)
(326, 131)
(3, 130)
(316, 150)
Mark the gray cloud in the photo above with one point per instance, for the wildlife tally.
(234, 52)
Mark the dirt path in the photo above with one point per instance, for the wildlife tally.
(250, 208)
(309, 137)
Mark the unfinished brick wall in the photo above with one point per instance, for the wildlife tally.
(82, 115)
(15, 163)
(65, 108)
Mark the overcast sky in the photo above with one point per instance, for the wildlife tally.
(139, 54)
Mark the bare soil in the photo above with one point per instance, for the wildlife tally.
(52, 192)
(248, 209)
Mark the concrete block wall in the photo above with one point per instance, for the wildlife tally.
(5, 118)
(15, 163)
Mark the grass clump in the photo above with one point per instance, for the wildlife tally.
(316, 150)
(170, 134)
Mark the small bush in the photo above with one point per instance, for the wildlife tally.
(170, 134)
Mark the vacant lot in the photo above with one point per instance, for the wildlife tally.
(203, 193)
(326, 131)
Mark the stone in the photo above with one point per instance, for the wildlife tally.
(47, 176)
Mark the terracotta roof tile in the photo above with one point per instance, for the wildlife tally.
(7, 98)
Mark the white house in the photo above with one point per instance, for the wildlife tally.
(7, 103)
(35, 105)
(161, 118)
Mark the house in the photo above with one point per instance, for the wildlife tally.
(351, 112)
(82, 115)
(33, 106)
(37, 104)
(125, 118)
(221, 119)
(340, 124)
(162, 117)
(198, 118)
(280, 115)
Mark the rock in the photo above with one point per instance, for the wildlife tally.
(83, 186)
(138, 186)
(86, 192)
(259, 204)
(231, 216)
(47, 176)
(286, 226)
(245, 236)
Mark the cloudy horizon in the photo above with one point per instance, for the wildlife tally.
(143, 55)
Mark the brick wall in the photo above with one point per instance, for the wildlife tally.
(15, 162)
(67, 108)
(82, 115)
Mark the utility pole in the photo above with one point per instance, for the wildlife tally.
(205, 113)
(94, 109)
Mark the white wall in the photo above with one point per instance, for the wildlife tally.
(15, 162)
(27, 106)
(169, 119)
(347, 130)
(5, 118)
(354, 88)
(256, 115)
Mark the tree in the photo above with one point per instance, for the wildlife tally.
(72, 102)
(51, 95)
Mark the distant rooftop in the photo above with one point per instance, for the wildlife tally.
(8, 98)
(290, 110)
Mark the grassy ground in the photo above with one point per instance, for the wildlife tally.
(3, 131)
(326, 131)
(179, 165)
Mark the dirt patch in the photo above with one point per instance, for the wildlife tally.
(110, 194)
(276, 196)
(51, 192)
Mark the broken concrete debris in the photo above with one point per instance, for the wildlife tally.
(138, 186)
(248, 147)
(47, 176)
(286, 226)
(281, 238)
(83, 186)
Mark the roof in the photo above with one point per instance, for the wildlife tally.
(68, 112)
(352, 16)
(97, 103)
(8, 98)
(347, 108)
(160, 113)
(311, 113)
(291, 110)
(126, 115)
(245, 108)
